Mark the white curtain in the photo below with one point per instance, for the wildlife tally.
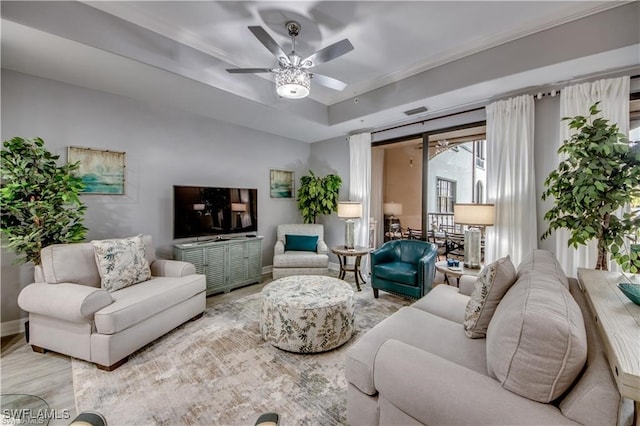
(613, 95)
(377, 186)
(360, 187)
(511, 182)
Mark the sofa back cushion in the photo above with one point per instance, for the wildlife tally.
(492, 284)
(70, 263)
(300, 229)
(536, 341)
(76, 263)
(594, 399)
(543, 261)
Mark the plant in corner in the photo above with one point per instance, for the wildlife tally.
(318, 195)
(600, 175)
(40, 199)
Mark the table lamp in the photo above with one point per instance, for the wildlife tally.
(349, 210)
(474, 215)
(392, 209)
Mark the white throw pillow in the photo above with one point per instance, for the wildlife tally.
(492, 284)
(121, 262)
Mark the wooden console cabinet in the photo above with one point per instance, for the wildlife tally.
(227, 263)
(618, 321)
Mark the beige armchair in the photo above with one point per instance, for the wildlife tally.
(296, 259)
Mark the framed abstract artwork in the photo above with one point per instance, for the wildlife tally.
(102, 171)
(282, 184)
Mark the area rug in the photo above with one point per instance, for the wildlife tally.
(218, 371)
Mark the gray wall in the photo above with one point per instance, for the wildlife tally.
(545, 140)
(332, 156)
(163, 147)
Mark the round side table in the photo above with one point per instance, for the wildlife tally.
(343, 254)
(456, 272)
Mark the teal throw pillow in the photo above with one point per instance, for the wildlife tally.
(300, 242)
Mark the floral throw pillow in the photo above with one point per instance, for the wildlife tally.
(492, 284)
(121, 262)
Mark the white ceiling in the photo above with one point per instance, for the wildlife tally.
(175, 53)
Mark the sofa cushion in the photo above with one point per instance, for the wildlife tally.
(492, 284)
(401, 272)
(444, 301)
(70, 263)
(121, 262)
(543, 261)
(300, 259)
(301, 242)
(421, 330)
(536, 341)
(139, 302)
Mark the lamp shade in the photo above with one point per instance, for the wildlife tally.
(392, 209)
(350, 209)
(198, 207)
(238, 207)
(293, 83)
(474, 214)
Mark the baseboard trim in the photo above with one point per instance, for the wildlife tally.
(9, 328)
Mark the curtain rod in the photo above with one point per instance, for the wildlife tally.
(538, 95)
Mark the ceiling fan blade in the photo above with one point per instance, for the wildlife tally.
(328, 53)
(329, 82)
(248, 70)
(270, 44)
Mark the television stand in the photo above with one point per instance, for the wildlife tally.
(227, 263)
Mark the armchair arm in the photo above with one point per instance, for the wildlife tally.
(386, 253)
(171, 268)
(436, 391)
(467, 284)
(427, 269)
(279, 247)
(67, 301)
(322, 247)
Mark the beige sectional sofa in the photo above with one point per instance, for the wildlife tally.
(541, 361)
(71, 314)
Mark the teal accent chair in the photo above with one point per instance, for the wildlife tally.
(404, 267)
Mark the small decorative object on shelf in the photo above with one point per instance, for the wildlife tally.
(632, 291)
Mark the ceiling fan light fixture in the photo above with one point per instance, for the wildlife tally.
(293, 83)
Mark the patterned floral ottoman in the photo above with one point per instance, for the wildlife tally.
(307, 313)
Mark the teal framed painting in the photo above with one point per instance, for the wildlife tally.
(101, 171)
(281, 184)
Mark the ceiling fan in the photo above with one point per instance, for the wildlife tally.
(293, 80)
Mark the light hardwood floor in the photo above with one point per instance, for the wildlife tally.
(48, 376)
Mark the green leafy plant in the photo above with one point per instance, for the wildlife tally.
(318, 195)
(40, 200)
(601, 174)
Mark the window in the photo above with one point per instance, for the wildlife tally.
(446, 194)
(480, 153)
(479, 192)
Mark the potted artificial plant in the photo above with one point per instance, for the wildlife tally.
(318, 195)
(40, 199)
(600, 175)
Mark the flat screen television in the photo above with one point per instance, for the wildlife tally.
(200, 211)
